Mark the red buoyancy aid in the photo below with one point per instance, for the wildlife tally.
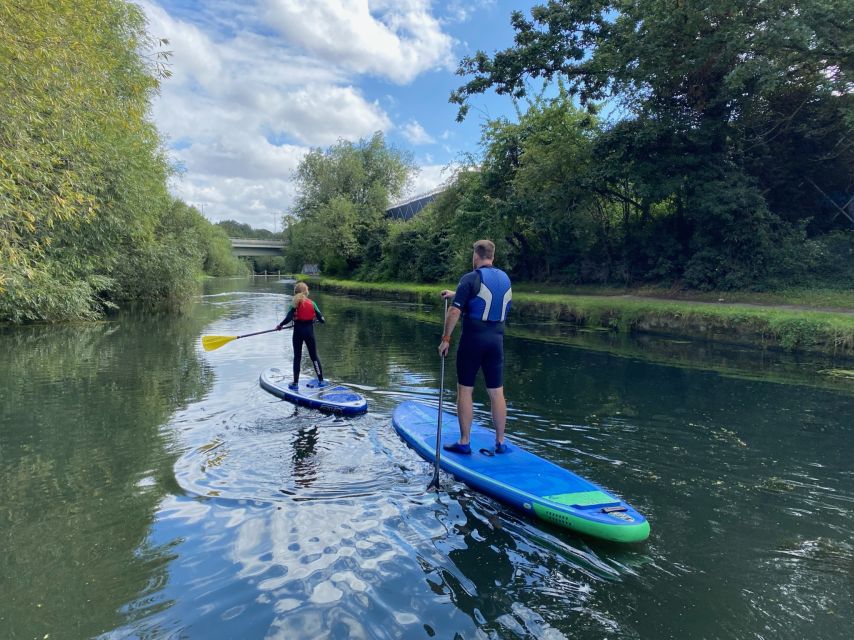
(305, 311)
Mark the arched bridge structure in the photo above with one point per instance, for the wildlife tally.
(251, 247)
(405, 209)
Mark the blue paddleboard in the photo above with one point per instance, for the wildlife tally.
(520, 478)
(333, 397)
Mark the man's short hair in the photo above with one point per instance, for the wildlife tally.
(485, 249)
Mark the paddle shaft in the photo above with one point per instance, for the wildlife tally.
(434, 483)
(257, 333)
(211, 343)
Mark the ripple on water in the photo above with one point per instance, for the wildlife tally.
(328, 520)
(316, 457)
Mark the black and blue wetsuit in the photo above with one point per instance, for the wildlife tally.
(304, 333)
(483, 296)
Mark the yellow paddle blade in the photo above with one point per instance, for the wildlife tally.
(215, 342)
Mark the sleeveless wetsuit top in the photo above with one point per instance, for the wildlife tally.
(492, 300)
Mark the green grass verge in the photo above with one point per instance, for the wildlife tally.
(755, 323)
(819, 298)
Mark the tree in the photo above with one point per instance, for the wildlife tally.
(536, 175)
(728, 107)
(86, 220)
(81, 169)
(343, 193)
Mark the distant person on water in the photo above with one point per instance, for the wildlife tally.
(483, 299)
(303, 313)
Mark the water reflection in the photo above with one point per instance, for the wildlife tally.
(305, 463)
(83, 465)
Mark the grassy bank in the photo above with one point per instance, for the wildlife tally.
(815, 369)
(747, 321)
(818, 298)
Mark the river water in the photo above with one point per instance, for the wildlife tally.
(151, 489)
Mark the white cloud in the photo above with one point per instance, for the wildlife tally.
(241, 156)
(253, 202)
(241, 110)
(415, 133)
(462, 10)
(431, 176)
(396, 39)
(320, 115)
(256, 84)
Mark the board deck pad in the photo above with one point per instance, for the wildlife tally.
(334, 397)
(520, 478)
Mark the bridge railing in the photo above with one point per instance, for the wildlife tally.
(427, 194)
(255, 242)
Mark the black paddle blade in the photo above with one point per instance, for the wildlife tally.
(434, 483)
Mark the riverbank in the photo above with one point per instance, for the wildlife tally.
(788, 326)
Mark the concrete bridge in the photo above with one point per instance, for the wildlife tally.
(252, 247)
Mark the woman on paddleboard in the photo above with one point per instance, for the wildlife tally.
(303, 313)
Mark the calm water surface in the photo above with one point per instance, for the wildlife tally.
(153, 490)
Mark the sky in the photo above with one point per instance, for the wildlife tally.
(256, 84)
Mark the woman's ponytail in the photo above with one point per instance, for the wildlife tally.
(300, 293)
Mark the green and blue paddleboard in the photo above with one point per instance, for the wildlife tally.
(521, 479)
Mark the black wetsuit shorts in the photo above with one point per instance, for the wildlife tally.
(481, 349)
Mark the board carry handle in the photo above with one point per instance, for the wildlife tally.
(613, 509)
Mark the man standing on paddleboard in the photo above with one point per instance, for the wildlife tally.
(483, 299)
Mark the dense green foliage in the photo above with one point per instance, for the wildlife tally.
(539, 193)
(692, 145)
(343, 193)
(86, 221)
(234, 229)
(218, 258)
(730, 121)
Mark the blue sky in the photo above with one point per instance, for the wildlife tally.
(258, 83)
